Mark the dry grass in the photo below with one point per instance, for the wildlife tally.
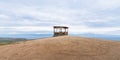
(62, 48)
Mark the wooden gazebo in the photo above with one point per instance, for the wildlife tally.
(60, 30)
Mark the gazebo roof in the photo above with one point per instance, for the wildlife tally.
(60, 27)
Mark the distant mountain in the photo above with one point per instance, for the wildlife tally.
(26, 36)
(12, 39)
(101, 36)
(36, 36)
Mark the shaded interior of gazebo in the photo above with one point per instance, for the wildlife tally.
(60, 30)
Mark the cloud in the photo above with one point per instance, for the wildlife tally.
(82, 16)
(108, 4)
(25, 30)
(103, 30)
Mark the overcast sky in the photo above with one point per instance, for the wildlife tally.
(39, 16)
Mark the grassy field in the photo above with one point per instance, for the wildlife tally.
(5, 42)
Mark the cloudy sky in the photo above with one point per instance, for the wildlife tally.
(39, 16)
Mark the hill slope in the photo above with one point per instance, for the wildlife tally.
(62, 48)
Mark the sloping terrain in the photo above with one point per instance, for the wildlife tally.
(62, 48)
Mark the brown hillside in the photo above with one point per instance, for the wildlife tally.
(62, 48)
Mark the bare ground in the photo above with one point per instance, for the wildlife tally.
(62, 48)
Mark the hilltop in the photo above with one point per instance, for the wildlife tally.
(62, 48)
